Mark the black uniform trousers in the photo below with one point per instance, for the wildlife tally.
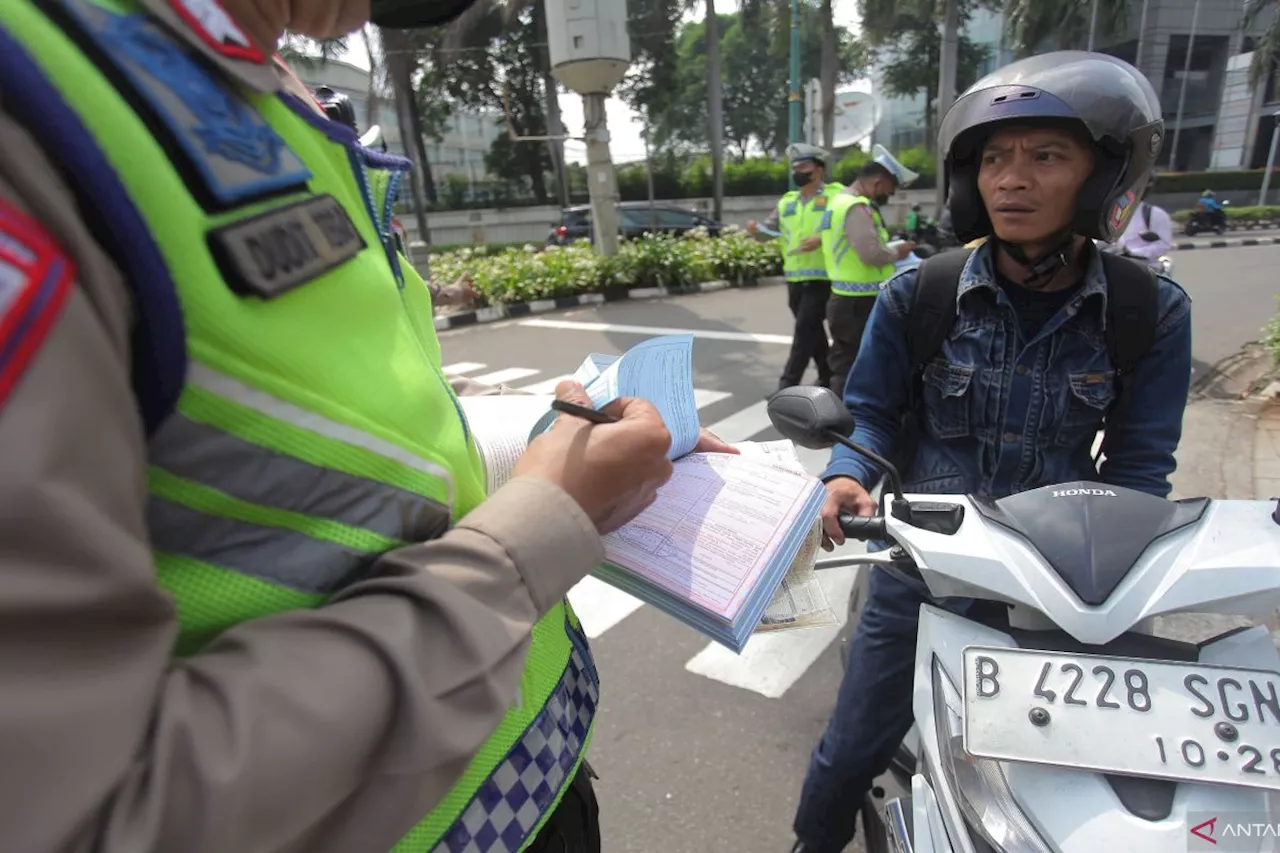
(847, 316)
(574, 827)
(808, 303)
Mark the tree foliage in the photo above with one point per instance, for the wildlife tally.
(754, 45)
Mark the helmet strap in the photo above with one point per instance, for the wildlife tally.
(1041, 270)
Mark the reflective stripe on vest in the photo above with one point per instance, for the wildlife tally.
(798, 219)
(849, 275)
(289, 382)
(513, 800)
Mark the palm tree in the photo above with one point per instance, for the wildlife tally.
(827, 76)
(1064, 24)
(1266, 52)
(715, 110)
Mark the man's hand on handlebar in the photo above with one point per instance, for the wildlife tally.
(844, 494)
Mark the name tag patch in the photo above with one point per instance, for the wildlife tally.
(274, 252)
(218, 139)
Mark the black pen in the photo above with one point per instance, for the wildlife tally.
(582, 412)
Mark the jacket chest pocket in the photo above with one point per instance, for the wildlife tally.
(1082, 404)
(948, 398)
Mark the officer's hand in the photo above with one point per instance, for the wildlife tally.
(709, 442)
(460, 292)
(809, 244)
(752, 227)
(844, 494)
(905, 249)
(613, 470)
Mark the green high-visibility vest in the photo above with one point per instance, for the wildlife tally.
(799, 218)
(850, 276)
(315, 429)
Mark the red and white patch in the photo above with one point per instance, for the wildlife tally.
(35, 278)
(218, 29)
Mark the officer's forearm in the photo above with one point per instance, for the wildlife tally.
(861, 232)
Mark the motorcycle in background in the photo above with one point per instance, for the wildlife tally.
(1052, 718)
(1203, 219)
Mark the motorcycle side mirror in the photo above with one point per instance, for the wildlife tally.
(809, 415)
(815, 418)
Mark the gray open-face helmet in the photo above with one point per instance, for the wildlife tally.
(1107, 98)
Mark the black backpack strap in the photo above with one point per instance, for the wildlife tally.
(932, 315)
(1132, 316)
(933, 307)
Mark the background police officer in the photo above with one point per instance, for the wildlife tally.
(856, 255)
(795, 220)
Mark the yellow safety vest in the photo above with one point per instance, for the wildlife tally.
(799, 218)
(849, 275)
(311, 366)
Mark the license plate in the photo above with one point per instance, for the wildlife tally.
(1188, 722)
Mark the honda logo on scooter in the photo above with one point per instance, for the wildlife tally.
(1071, 493)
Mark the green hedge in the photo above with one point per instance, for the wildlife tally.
(673, 179)
(538, 272)
(1194, 182)
(1271, 333)
(1240, 215)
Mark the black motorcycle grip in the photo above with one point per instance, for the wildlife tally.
(862, 527)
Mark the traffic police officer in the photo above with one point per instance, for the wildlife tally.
(255, 596)
(857, 258)
(795, 219)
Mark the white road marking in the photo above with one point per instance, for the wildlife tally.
(743, 424)
(509, 374)
(1097, 443)
(773, 661)
(704, 397)
(547, 386)
(654, 331)
(600, 606)
(461, 368)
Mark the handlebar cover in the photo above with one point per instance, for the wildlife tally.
(862, 528)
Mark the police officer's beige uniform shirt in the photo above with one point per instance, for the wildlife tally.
(323, 730)
(863, 235)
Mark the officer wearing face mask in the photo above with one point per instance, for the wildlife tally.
(856, 255)
(795, 220)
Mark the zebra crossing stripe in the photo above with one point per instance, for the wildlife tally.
(507, 375)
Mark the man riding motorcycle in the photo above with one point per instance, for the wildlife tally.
(1042, 157)
(1208, 215)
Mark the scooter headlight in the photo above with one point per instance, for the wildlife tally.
(979, 783)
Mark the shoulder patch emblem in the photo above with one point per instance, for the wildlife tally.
(216, 28)
(35, 278)
(272, 253)
(234, 154)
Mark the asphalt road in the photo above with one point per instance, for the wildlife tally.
(697, 749)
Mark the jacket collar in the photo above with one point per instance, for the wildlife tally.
(979, 272)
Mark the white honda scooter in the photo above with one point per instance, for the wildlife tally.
(1068, 726)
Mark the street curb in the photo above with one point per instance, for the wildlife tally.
(1227, 244)
(515, 310)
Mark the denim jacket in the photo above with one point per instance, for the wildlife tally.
(999, 414)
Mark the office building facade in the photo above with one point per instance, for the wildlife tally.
(460, 152)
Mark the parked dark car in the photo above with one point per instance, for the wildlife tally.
(636, 219)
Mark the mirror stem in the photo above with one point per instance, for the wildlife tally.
(895, 480)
